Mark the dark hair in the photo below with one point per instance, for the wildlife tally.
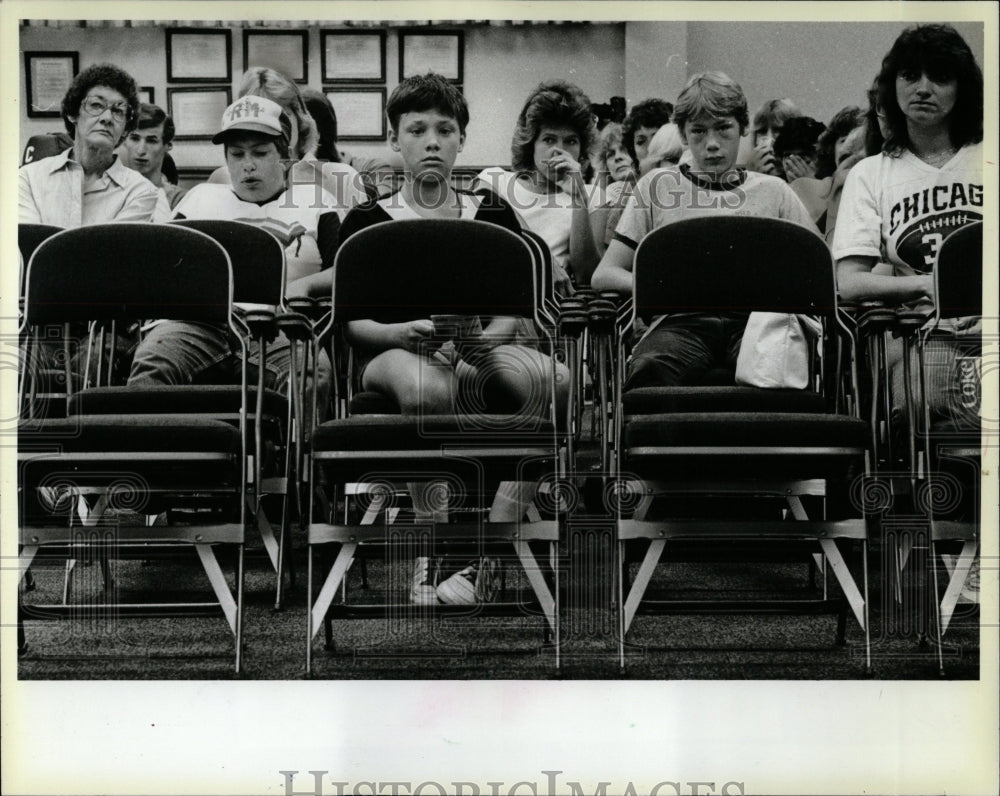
(873, 131)
(554, 103)
(941, 53)
(280, 143)
(650, 112)
(154, 116)
(714, 93)
(799, 134)
(429, 92)
(322, 112)
(100, 75)
(169, 170)
(843, 121)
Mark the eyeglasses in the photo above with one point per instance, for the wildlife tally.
(94, 106)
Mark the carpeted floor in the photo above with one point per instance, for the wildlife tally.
(410, 642)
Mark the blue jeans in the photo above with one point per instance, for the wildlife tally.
(179, 352)
(681, 349)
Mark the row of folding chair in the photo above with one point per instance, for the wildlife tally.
(797, 453)
(926, 469)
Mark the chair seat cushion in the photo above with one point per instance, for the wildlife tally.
(130, 433)
(202, 398)
(661, 400)
(741, 429)
(369, 402)
(399, 432)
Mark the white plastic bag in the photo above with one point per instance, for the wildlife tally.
(774, 353)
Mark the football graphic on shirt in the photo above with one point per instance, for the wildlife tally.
(919, 243)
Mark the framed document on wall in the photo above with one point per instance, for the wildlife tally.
(421, 51)
(197, 112)
(147, 94)
(360, 113)
(47, 76)
(351, 56)
(199, 55)
(286, 51)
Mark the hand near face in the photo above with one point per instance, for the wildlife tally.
(763, 160)
(796, 166)
(566, 172)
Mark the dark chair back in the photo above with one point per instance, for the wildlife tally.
(45, 145)
(406, 270)
(28, 238)
(733, 264)
(257, 258)
(958, 274)
(127, 271)
(546, 281)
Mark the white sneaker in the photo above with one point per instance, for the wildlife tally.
(422, 591)
(477, 583)
(970, 589)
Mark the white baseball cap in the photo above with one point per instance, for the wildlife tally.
(254, 114)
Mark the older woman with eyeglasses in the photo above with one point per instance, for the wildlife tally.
(88, 184)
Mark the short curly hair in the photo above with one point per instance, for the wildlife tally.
(940, 52)
(843, 122)
(653, 113)
(554, 103)
(100, 75)
(261, 81)
(608, 138)
(773, 113)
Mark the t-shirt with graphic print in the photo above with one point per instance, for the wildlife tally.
(305, 218)
(902, 209)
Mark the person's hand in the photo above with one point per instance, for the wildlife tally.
(762, 160)
(796, 166)
(561, 280)
(566, 172)
(413, 333)
(927, 284)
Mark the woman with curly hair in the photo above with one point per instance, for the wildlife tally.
(88, 184)
(898, 206)
(639, 127)
(553, 136)
(616, 174)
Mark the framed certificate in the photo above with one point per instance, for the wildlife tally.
(197, 112)
(47, 77)
(147, 94)
(351, 56)
(286, 51)
(431, 51)
(197, 55)
(360, 113)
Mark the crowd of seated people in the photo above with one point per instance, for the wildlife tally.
(868, 181)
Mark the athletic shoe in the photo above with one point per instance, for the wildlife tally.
(422, 591)
(970, 590)
(477, 583)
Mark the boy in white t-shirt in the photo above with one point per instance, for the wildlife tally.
(711, 114)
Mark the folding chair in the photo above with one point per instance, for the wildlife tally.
(730, 440)
(38, 394)
(258, 262)
(137, 462)
(454, 267)
(953, 447)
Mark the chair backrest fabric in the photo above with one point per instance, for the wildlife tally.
(45, 145)
(257, 258)
(958, 273)
(399, 271)
(126, 271)
(733, 264)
